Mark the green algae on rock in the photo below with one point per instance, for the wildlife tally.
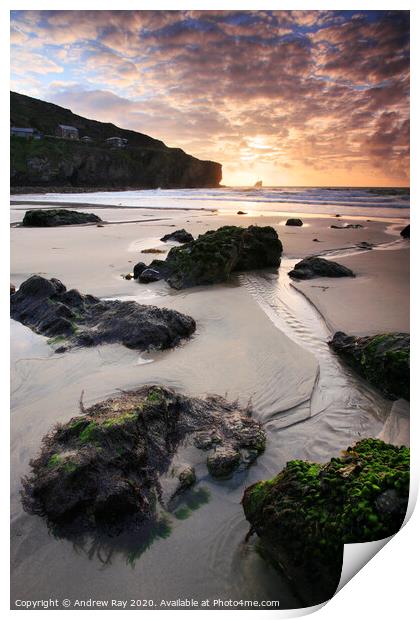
(383, 360)
(308, 512)
(107, 469)
(213, 256)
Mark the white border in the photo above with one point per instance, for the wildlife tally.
(387, 586)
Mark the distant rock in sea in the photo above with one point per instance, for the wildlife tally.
(71, 319)
(57, 217)
(258, 184)
(315, 267)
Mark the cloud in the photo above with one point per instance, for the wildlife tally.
(296, 90)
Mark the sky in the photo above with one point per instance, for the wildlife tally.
(286, 97)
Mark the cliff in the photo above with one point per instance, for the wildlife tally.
(55, 162)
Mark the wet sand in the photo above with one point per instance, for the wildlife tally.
(258, 340)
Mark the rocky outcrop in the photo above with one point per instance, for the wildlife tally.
(315, 267)
(71, 319)
(308, 512)
(213, 256)
(57, 217)
(294, 222)
(181, 236)
(103, 470)
(51, 162)
(383, 360)
(405, 233)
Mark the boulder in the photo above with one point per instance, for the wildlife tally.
(57, 217)
(223, 461)
(241, 213)
(306, 513)
(138, 269)
(84, 320)
(12, 289)
(102, 470)
(213, 256)
(405, 233)
(383, 360)
(294, 222)
(315, 267)
(149, 275)
(181, 236)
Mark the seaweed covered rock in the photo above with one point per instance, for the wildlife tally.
(315, 267)
(181, 236)
(73, 319)
(213, 256)
(294, 221)
(102, 469)
(383, 360)
(57, 217)
(308, 512)
(405, 233)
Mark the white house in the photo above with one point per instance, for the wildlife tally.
(117, 142)
(67, 131)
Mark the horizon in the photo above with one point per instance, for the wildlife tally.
(299, 96)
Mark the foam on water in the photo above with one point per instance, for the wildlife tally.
(347, 201)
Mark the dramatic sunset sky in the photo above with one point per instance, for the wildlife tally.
(289, 97)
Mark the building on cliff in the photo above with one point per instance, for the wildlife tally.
(117, 142)
(67, 132)
(25, 132)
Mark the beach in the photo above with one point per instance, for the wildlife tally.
(261, 339)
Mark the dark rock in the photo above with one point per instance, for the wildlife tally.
(12, 289)
(306, 514)
(338, 215)
(294, 222)
(138, 269)
(241, 213)
(405, 233)
(365, 245)
(315, 267)
(383, 360)
(181, 236)
(213, 256)
(57, 217)
(346, 226)
(223, 461)
(149, 275)
(102, 470)
(316, 240)
(128, 276)
(83, 320)
(187, 478)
